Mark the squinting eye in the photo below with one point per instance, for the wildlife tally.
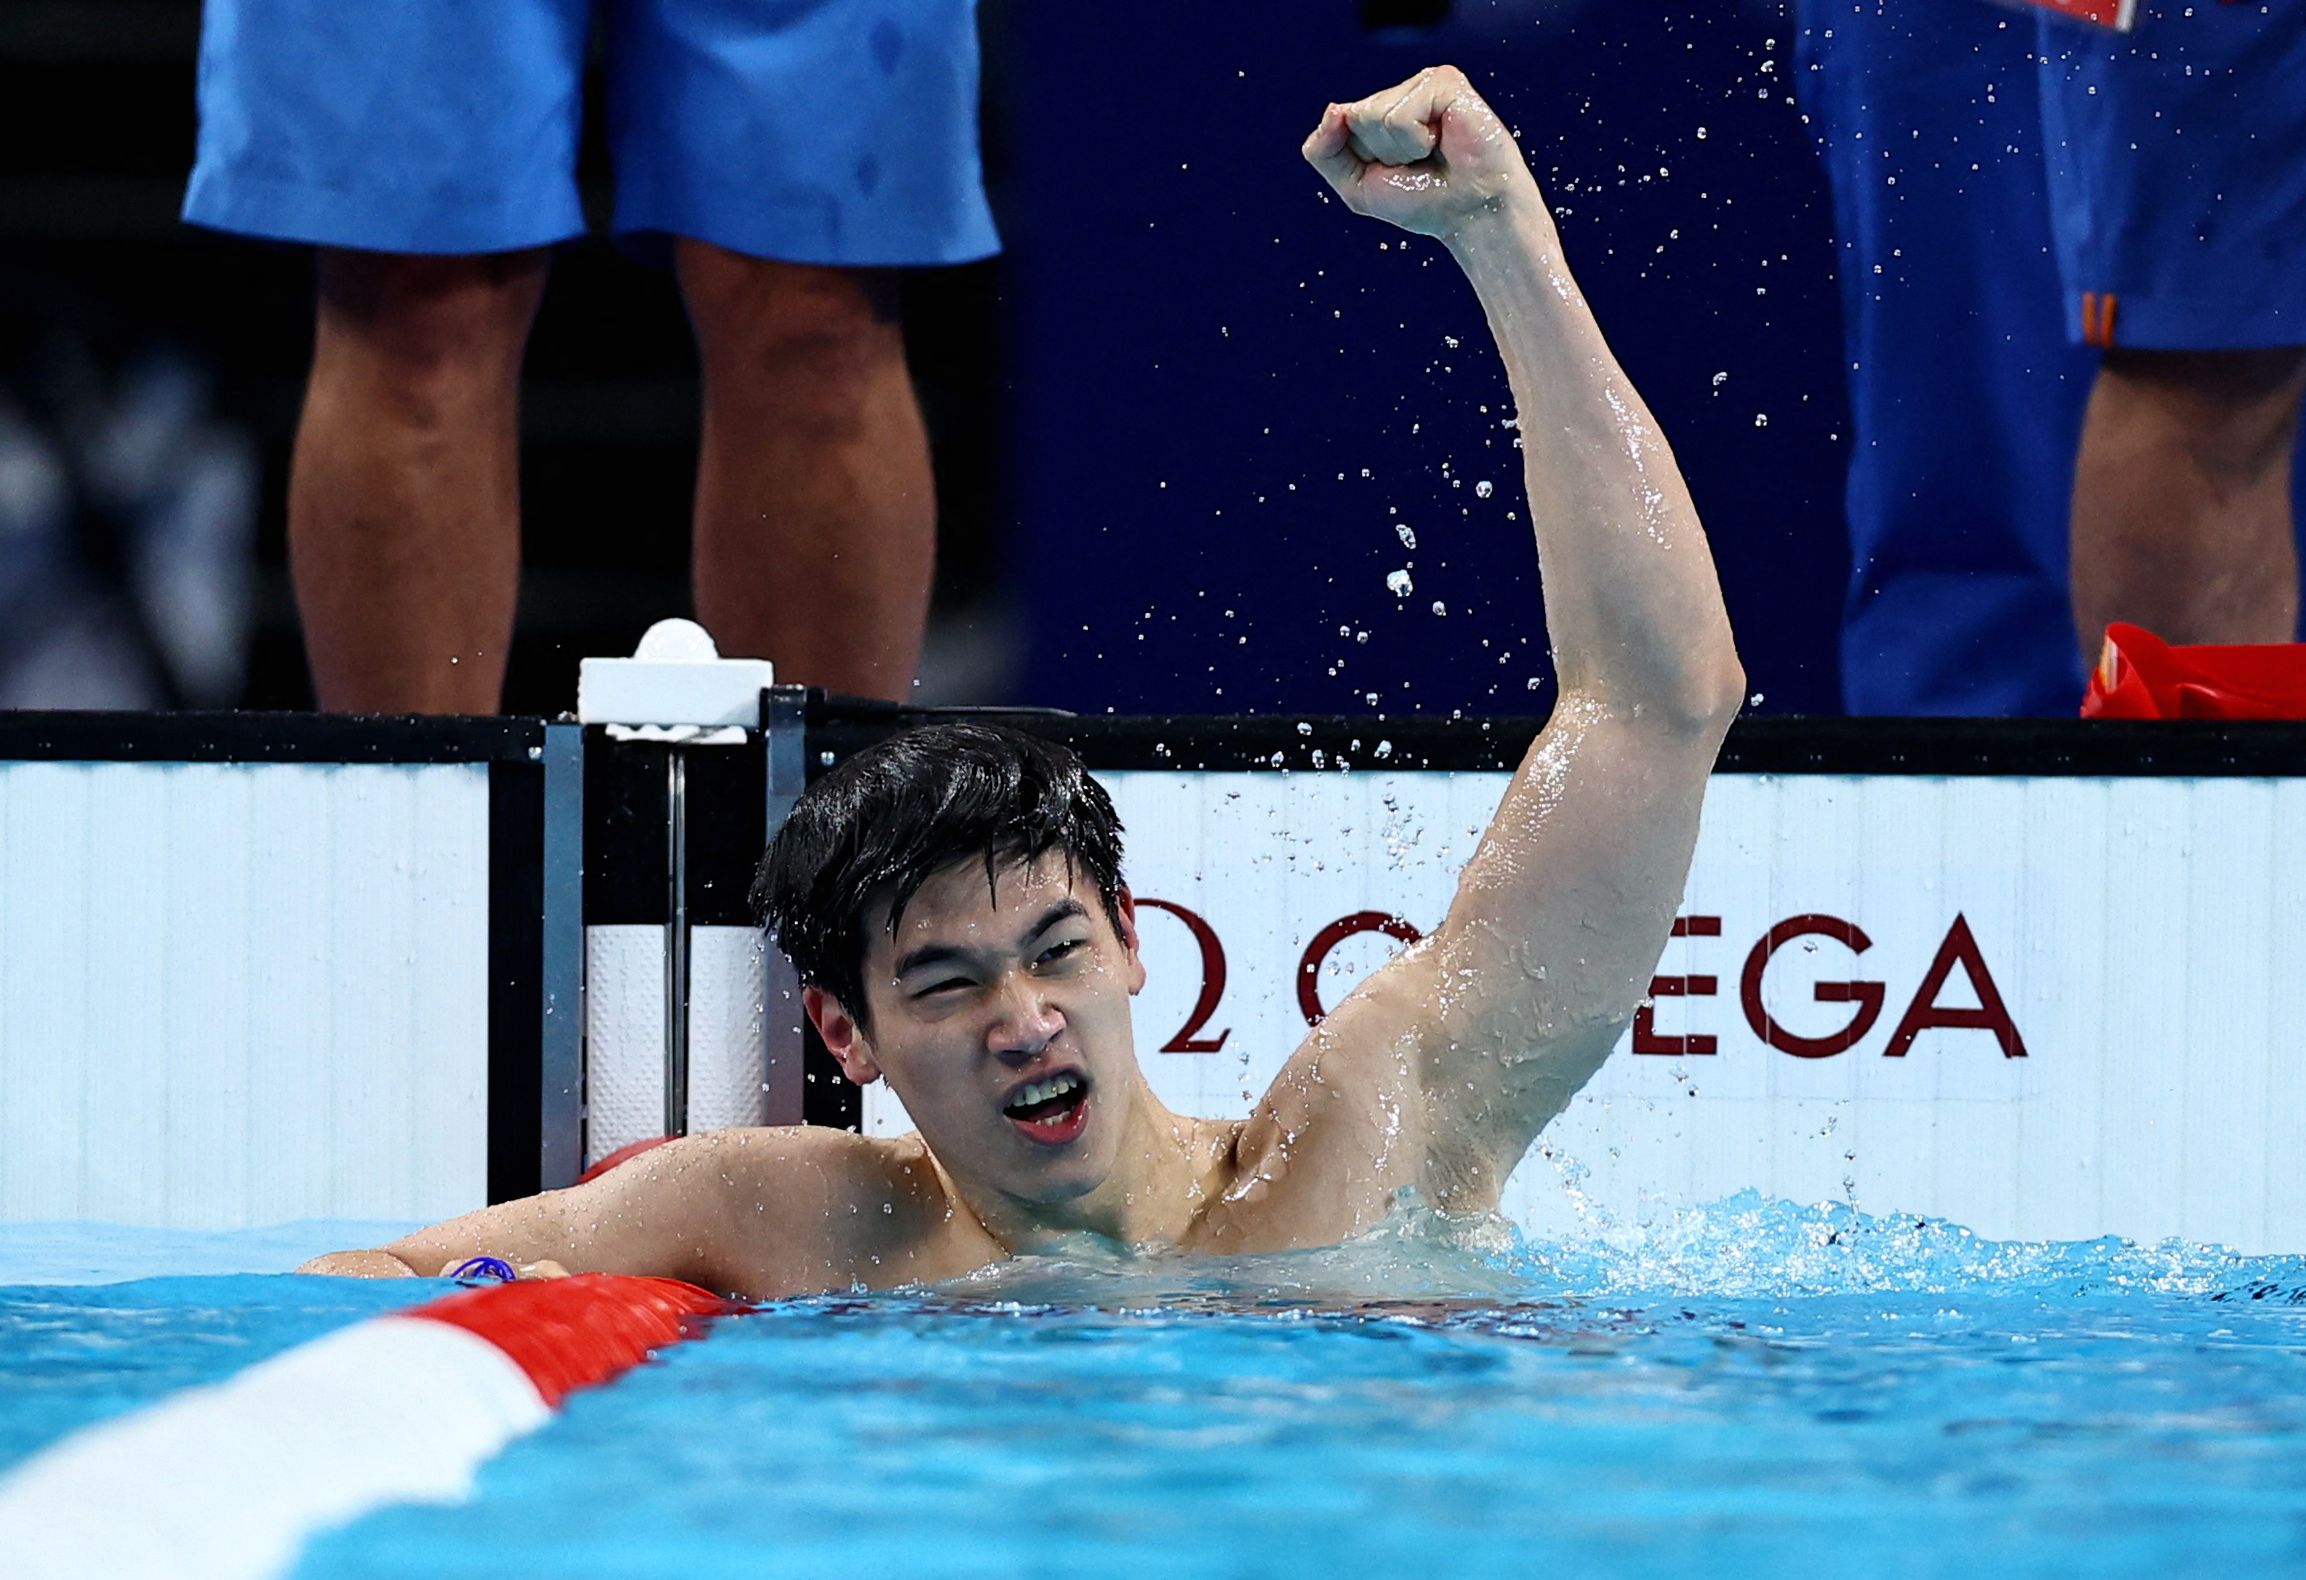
(943, 987)
(1059, 951)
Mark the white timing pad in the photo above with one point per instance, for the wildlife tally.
(676, 677)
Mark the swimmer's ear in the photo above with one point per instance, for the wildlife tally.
(845, 1040)
(1126, 920)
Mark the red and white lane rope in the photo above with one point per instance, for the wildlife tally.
(228, 1481)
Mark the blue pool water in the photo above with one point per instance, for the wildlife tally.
(1752, 1388)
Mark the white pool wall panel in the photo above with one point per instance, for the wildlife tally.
(625, 1032)
(237, 994)
(2147, 937)
(728, 1055)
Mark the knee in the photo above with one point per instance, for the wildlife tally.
(427, 332)
(814, 344)
(2234, 413)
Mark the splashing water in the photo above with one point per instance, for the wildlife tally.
(1751, 1247)
(1749, 1388)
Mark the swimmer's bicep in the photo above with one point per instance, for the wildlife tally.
(652, 1217)
(518, 1232)
(1563, 909)
(1559, 919)
(759, 1212)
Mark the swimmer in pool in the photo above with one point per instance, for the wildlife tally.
(953, 899)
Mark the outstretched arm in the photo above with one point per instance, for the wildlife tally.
(1490, 1026)
(760, 1213)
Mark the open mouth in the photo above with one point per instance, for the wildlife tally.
(1051, 1111)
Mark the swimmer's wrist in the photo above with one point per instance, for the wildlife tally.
(1515, 220)
(482, 1269)
(359, 1264)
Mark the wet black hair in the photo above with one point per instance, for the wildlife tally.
(883, 823)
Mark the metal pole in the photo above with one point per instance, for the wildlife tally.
(676, 943)
(560, 1156)
(784, 737)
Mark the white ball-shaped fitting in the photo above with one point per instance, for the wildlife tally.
(677, 642)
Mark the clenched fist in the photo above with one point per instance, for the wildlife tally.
(1427, 155)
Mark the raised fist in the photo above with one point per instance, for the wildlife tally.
(1426, 155)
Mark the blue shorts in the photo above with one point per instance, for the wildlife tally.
(2177, 174)
(1965, 398)
(813, 131)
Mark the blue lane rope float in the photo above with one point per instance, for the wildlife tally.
(484, 1269)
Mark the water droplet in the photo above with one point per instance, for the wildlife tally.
(1399, 584)
(1407, 535)
(1484, 488)
(1719, 379)
(1439, 607)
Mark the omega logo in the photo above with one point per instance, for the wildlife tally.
(1189, 1039)
(1868, 997)
(1923, 1011)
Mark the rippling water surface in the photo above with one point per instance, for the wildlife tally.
(1750, 1388)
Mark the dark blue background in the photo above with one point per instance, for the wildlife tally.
(1207, 352)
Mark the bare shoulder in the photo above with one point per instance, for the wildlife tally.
(811, 1174)
(807, 1157)
(805, 1208)
(1341, 1130)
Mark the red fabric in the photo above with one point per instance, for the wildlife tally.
(569, 1333)
(2106, 13)
(2140, 676)
(623, 1154)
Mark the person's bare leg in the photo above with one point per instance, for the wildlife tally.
(815, 512)
(404, 493)
(2182, 519)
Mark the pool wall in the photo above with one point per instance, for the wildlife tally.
(2045, 1008)
(2036, 979)
(247, 992)
(258, 969)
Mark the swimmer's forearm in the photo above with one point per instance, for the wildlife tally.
(1631, 599)
(360, 1264)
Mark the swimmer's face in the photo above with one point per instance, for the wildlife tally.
(1001, 1018)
